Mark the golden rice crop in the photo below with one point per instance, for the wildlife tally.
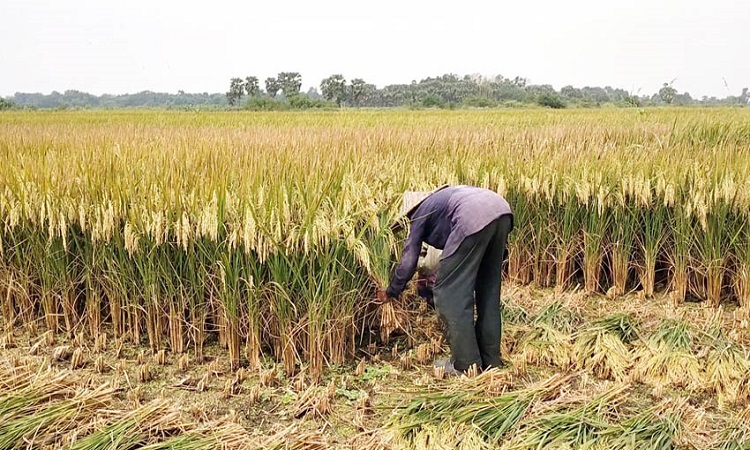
(268, 229)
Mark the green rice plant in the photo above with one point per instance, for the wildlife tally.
(602, 347)
(666, 357)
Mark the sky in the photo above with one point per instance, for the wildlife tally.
(116, 47)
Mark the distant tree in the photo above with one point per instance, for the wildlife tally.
(302, 101)
(571, 93)
(289, 83)
(251, 86)
(682, 99)
(433, 101)
(550, 100)
(744, 98)
(272, 86)
(358, 89)
(595, 94)
(236, 90)
(667, 93)
(333, 88)
(632, 100)
(314, 94)
(6, 104)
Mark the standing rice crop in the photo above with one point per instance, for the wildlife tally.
(173, 226)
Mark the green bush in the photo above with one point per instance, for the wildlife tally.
(433, 101)
(551, 101)
(265, 104)
(6, 104)
(479, 102)
(302, 101)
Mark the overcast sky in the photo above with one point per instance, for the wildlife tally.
(104, 46)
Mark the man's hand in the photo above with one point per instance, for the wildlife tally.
(381, 297)
(424, 287)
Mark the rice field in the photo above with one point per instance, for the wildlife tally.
(262, 238)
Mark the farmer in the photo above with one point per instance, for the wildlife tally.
(471, 226)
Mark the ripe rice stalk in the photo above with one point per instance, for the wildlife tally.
(129, 221)
(315, 400)
(175, 319)
(221, 434)
(133, 429)
(570, 427)
(24, 389)
(736, 434)
(228, 286)
(623, 234)
(469, 406)
(680, 251)
(520, 256)
(443, 436)
(77, 360)
(567, 240)
(93, 309)
(602, 347)
(284, 314)
(649, 242)
(8, 306)
(726, 368)
(544, 248)
(559, 317)
(713, 240)
(595, 224)
(543, 344)
(741, 260)
(291, 438)
(46, 422)
(666, 357)
(656, 428)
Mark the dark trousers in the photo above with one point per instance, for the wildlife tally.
(472, 275)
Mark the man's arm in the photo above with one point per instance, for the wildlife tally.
(409, 257)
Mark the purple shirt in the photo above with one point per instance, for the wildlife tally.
(443, 220)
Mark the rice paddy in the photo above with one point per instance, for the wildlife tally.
(235, 258)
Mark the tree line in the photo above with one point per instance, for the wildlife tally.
(446, 91)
